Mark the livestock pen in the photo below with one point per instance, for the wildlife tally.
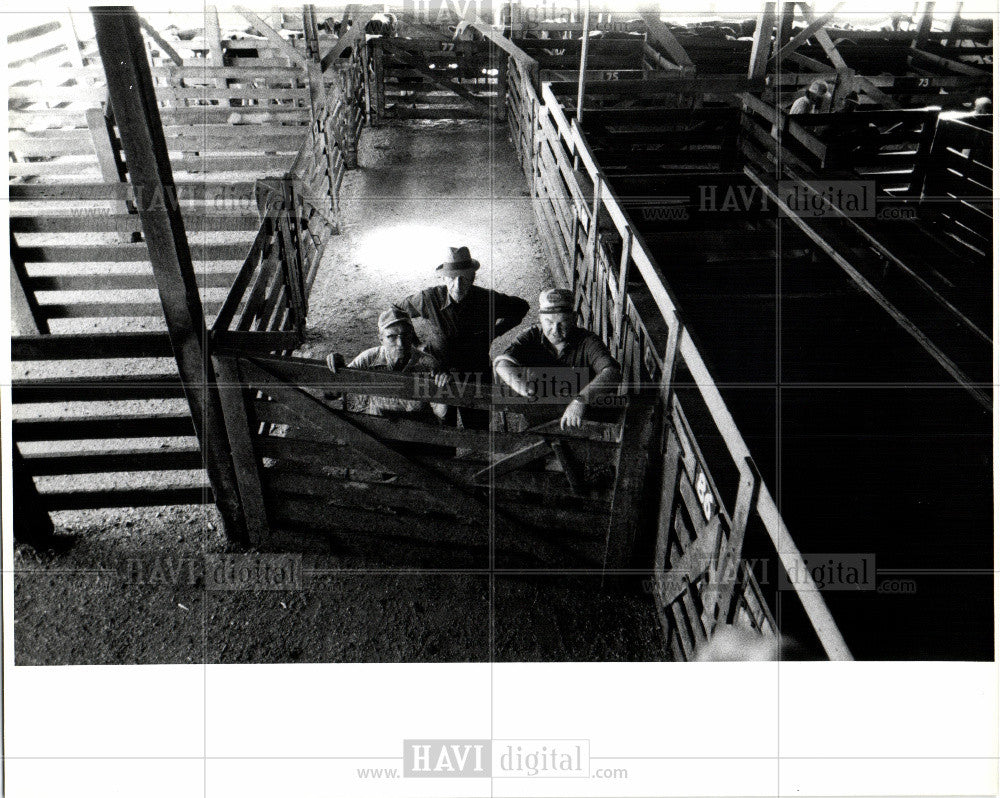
(659, 175)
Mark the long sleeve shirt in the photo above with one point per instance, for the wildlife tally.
(461, 332)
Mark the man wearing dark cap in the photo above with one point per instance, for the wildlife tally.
(399, 353)
(556, 342)
(464, 319)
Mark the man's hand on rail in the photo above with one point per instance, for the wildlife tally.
(572, 417)
(335, 361)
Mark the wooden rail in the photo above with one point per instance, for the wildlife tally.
(301, 127)
(555, 496)
(624, 297)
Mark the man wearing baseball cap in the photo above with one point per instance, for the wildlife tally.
(464, 319)
(816, 100)
(557, 342)
(398, 352)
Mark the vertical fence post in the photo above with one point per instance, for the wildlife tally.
(32, 523)
(288, 223)
(502, 73)
(133, 99)
(25, 311)
(213, 39)
(728, 559)
(377, 56)
(621, 300)
(102, 134)
(234, 409)
(674, 332)
(923, 155)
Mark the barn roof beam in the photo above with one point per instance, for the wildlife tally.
(808, 32)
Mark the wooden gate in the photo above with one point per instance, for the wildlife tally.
(308, 466)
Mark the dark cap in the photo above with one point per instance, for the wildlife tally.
(392, 316)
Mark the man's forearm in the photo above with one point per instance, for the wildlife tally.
(513, 376)
(604, 383)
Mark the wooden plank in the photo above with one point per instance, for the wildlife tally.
(26, 313)
(233, 192)
(128, 253)
(762, 42)
(629, 481)
(102, 310)
(134, 497)
(666, 39)
(387, 499)
(111, 426)
(118, 281)
(162, 43)
(114, 461)
(96, 389)
(505, 44)
(32, 524)
(306, 456)
(569, 467)
(231, 393)
(824, 39)
(371, 530)
(81, 346)
(133, 98)
(513, 461)
(213, 38)
(273, 36)
(959, 67)
(356, 33)
(804, 35)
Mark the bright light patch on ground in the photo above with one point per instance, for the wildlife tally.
(404, 250)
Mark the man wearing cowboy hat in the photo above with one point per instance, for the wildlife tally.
(464, 319)
(556, 342)
(399, 353)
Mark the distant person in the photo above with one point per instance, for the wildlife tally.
(398, 352)
(464, 320)
(816, 100)
(554, 342)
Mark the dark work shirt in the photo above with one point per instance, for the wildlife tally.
(463, 331)
(583, 350)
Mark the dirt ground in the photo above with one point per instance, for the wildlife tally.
(128, 586)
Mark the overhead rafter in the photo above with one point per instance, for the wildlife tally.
(666, 39)
(824, 39)
(762, 42)
(162, 43)
(810, 30)
(273, 36)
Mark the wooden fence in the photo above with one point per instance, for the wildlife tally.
(312, 464)
(926, 270)
(706, 507)
(68, 387)
(961, 170)
(434, 77)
